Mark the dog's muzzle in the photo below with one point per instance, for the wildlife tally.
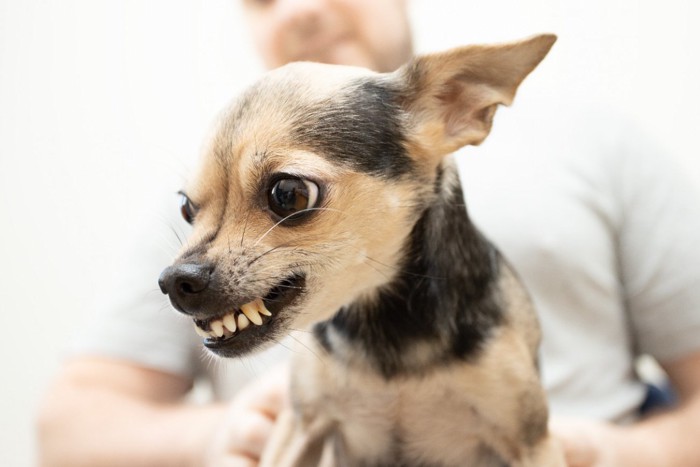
(194, 290)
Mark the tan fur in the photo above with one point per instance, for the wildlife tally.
(454, 104)
(352, 258)
(455, 410)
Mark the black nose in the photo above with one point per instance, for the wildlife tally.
(185, 284)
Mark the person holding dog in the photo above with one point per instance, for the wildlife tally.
(121, 400)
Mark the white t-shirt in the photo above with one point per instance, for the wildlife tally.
(601, 228)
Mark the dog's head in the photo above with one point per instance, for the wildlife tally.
(314, 179)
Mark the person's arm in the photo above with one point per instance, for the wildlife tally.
(101, 412)
(670, 438)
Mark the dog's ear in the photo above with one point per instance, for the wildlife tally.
(451, 97)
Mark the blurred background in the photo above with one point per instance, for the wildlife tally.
(104, 105)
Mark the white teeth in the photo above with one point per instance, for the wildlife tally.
(262, 309)
(251, 311)
(217, 327)
(242, 322)
(227, 325)
(201, 332)
(230, 322)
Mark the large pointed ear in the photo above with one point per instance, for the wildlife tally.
(451, 97)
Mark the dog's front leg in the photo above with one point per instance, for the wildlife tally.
(547, 453)
(298, 444)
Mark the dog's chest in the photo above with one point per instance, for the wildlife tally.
(407, 421)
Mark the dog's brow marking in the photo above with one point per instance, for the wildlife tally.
(361, 129)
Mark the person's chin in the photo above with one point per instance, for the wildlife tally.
(349, 54)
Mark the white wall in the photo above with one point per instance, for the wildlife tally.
(103, 105)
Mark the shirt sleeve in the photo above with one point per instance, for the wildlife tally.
(659, 254)
(133, 320)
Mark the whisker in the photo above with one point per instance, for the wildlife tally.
(166, 242)
(400, 270)
(289, 216)
(301, 342)
(383, 273)
(245, 227)
(281, 343)
(212, 362)
(282, 286)
(275, 248)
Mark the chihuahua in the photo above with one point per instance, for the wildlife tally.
(327, 202)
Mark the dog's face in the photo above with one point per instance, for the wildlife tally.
(313, 181)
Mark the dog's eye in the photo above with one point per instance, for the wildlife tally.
(291, 197)
(187, 208)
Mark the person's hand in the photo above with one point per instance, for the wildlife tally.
(241, 437)
(586, 443)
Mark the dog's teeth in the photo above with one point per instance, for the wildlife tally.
(262, 309)
(217, 327)
(201, 332)
(230, 322)
(250, 310)
(242, 322)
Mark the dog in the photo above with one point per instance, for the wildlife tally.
(328, 201)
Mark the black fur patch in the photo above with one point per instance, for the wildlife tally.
(361, 128)
(446, 296)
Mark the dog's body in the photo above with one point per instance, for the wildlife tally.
(325, 201)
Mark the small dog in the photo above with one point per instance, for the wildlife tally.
(326, 201)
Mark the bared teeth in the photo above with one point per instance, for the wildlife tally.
(262, 309)
(232, 322)
(250, 310)
(217, 328)
(242, 322)
(201, 332)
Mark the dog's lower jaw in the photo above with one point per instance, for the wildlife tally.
(258, 326)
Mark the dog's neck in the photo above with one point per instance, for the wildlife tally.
(441, 306)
